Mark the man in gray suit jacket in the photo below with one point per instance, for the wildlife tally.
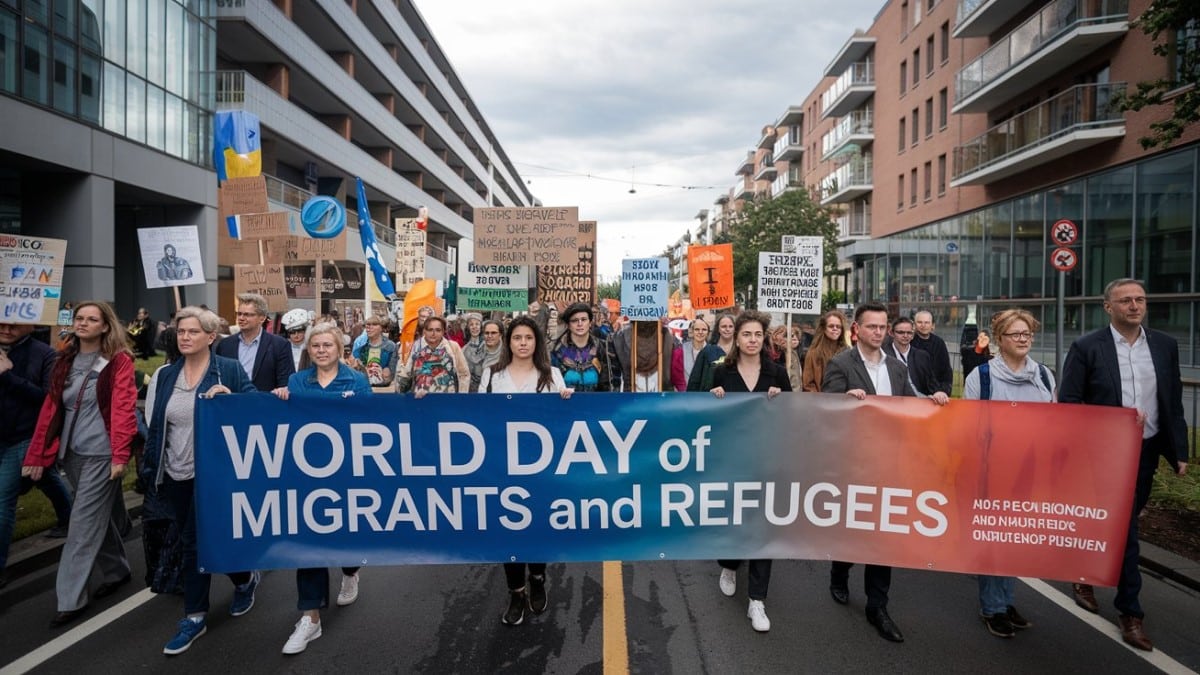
(861, 371)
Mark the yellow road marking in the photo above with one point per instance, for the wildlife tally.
(616, 648)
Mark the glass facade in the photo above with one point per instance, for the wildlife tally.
(1137, 220)
(137, 68)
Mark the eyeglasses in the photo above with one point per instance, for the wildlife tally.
(903, 333)
(294, 331)
(1019, 337)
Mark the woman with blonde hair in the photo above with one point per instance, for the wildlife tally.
(832, 338)
(88, 423)
(1012, 376)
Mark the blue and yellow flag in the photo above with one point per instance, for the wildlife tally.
(237, 145)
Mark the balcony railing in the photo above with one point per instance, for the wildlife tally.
(1083, 106)
(793, 138)
(856, 173)
(785, 181)
(861, 74)
(283, 192)
(854, 224)
(231, 87)
(857, 123)
(1053, 20)
(436, 252)
(966, 8)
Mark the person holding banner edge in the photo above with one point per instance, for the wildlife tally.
(327, 377)
(1127, 365)
(858, 372)
(524, 368)
(169, 467)
(747, 368)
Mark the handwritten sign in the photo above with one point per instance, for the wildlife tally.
(565, 284)
(266, 280)
(527, 236)
(301, 248)
(644, 286)
(494, 288)
(791, 282)
(242, 195)
(171, 256)
(710, 276)
(262, 225)
(410, 253)
(31, 270)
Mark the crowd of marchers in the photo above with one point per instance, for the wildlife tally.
(71, 422)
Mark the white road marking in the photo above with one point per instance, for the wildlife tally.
(1155, 658)
(65, 641)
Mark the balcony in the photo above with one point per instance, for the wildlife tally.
(747, 165)
(855, 223)
(786, 181)
(744, 189)
(1071, 121)
(981, 18)
(766, 168)
(1062, 33)
(851, 90)
(855, 130)
(789, 146)
(285, 194)
(767, 140)
(849, 182)
(856, 49)
(792, 117)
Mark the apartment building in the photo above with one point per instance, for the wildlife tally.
(952, 134)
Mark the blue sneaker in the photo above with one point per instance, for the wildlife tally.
(243, 596)
(189, 630)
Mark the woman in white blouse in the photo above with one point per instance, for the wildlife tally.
(524, 368)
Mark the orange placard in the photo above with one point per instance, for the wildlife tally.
(710, 276)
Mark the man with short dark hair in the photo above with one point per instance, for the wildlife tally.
(861, 371)
(919, 363)
(939, 355)
(266, 358)
(1126, 365)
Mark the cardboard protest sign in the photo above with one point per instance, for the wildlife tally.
(266, 280)
(644, 286)
(527, 236)
(262, 225)
(488, 288)
(410, 253)
(171, 256)
(242, 195)
(565, 284)
(710, 276)
(31, 270)
(300, 248)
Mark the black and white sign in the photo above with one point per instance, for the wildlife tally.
(791, 282)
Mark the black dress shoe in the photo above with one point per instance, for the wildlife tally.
(841, 594)
(109, 587)
(64, 618)
(883, 623)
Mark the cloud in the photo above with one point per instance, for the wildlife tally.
(671, 92)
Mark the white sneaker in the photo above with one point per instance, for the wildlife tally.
(349, 592)
(728, 581)
(306, 631)
(758, 616)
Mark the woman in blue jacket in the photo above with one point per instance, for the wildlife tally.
(168, 466)
(327, 377)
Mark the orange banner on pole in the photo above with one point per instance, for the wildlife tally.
(710, 276)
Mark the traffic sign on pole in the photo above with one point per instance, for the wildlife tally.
(1064, 259)
(1064, 232)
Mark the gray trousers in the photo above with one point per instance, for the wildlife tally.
(93, 538)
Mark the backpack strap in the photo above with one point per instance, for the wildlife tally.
(1044, 372)
(985, 382)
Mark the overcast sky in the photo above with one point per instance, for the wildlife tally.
(662, 91)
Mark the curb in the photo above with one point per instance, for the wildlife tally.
(1170, 565)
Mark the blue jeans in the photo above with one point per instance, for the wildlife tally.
(995, 594)
(11, 459)
(196, 584)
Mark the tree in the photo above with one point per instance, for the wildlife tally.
(1174, 27)
(609, 289)
(763, 222)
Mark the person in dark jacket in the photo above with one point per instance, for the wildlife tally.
(927, 340)
(582, 359)
(747, 368)
(266, 358)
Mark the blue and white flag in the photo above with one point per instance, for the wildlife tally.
(370, 247)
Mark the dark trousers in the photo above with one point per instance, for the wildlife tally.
(876, 578)
(312, 586)
(760, 576)
(1129, 586)
(514, 573)
(181, 495)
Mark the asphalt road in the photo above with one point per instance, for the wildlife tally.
(445, 619)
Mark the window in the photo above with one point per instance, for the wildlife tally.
(904, 19)
(65, 65)
(900, 193)
(943, 106)
(1183, 50)
(912, 187)
(945, 35)
(916, 71)
(903, 135)
(941, 175)
(903, 77)
(8, 51)
(929, 56)
(928, 181)
(928, 117)
(916, 7)
(916, 125)
(35, 83)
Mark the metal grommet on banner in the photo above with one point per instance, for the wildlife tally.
(509, 396)
(364, 561)
(929, 565)
(662, 556)
(512, 558)
(201, 570)
(1013, 403)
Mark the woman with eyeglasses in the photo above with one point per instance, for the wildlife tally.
(436, 365)
(683, 361)
(712, 355)
(1013, 376)
(578, 355)
(832, 338)
(484, 353)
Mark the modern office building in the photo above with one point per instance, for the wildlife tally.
(107, 108)
(952, 134)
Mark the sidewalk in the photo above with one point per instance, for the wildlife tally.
(34, 552)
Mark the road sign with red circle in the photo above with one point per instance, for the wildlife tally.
(1064, 232)
(1064, 259)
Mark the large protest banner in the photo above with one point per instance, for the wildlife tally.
(494, 288)
(710, 276)
(526, 235)
(977, 486)
(565, 284)
(645, 284)
(31, 277)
